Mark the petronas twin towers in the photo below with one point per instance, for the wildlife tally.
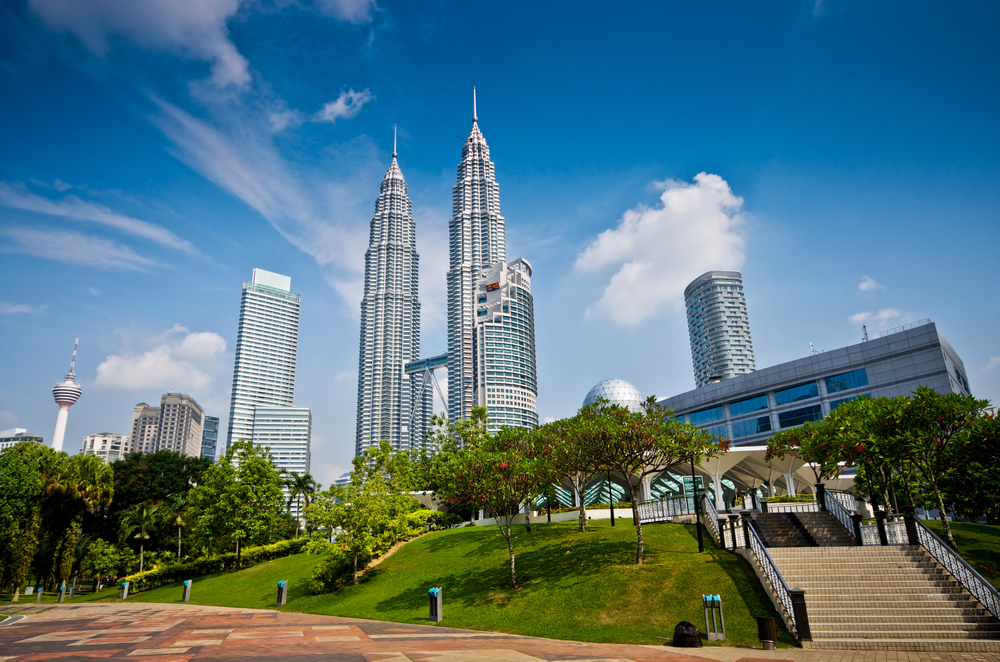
(395, 399)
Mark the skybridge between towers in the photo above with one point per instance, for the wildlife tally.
(421, 373)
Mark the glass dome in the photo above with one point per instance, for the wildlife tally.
(616, 392)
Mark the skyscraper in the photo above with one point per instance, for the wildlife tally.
(182, 421)
(718, 326)
(264, 374)
(476, 239)
(145, 428)
(266, 346)
(506, 381)
(210, 437)
(390, 322)
(65, 393)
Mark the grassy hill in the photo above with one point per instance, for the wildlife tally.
(979, 545)
(575, 586)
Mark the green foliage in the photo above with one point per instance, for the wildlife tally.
(334, 571)
(972, 479)
(20, 489)
(136, 522)
(103, 559)
(811, 443)
(149, 579)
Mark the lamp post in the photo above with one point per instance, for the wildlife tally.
(611, 499)
(697, 506)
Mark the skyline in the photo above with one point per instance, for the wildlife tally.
(845, 160)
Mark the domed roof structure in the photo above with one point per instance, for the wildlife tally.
(616, 392)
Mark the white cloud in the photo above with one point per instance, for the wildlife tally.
(882, 317)
(7, 308)
(993, 362)
(73, 248)
(868, 284)
(171, 364)
(286, 119)
(347, 375)
(17, 196)
(346, 106)
(352, 11)
(8, 418)
(94, 291)
(697, 228)
(858, 318)
(196, 29)
(552, 419)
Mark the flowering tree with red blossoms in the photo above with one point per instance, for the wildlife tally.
(810, 443)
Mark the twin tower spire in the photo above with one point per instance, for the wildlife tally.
(392, 405)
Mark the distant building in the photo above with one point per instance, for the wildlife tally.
(181, 423)
(284, 431)
(210, 437)
(145, 428)
(16, 435)
(503, 344)
(108, 446)
(718, 326)
(65, 393)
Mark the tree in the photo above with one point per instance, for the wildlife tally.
(812, 444)
(20, 489)
(640, 444)
(371, 510)
(85, 484)
(136, 523)
(571, 460)
(300, 487)
(240, 499)
(101, 560)
(971, 484)
(175, 509)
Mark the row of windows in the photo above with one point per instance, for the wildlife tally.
(789, 419)
(751, 426)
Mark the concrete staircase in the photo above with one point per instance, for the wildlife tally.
(885, 598)
(825, 529)
(819, 529)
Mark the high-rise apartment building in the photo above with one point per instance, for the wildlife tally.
(390, 323)
(145, 428)
(476, 239)
(210, 437)
(718, 326)
(264, 373)
(505, 378)
(182, 421)
(266, 346)
(108, 446)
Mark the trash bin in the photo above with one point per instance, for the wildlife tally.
(767, 632)
(687, 635)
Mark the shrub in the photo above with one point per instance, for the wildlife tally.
(150, 579)
(335, 569)
(784, 498)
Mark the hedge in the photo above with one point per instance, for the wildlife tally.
(150, 579)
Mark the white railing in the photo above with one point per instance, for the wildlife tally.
(808, 507)
(834, 505)
(846, 499)
(770, 570)
(973, 582)
(895, 532)
(664, 510)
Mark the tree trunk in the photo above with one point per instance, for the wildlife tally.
(239, 558)
(178, 544)
(510, 550)
(527, 516)
(638, 523)
(944, 517)
(578, 486)
(354, 577)
(17, 591)
(141, 553)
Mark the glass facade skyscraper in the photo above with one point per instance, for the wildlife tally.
(718, 326)
(476, 240)
(505, 378)
(210, 437)
(390, 324)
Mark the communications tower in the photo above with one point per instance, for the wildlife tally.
(66, 393)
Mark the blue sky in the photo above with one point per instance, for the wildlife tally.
(152, 154)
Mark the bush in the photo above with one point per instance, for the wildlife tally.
(334, 571)
(784, 498)
(150, 579)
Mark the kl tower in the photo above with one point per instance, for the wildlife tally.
(66, 393)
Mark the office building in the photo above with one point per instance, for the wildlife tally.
(718, 326)
(108, 446)
(210, 437)
(181, 423)
(388, 403)
(266, 346)
(264, 373)
(65, 393)
(505, 376)
(145, 428)
(749, 408)
(16, 435)
(476, 240)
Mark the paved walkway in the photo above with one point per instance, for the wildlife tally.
(174, 633)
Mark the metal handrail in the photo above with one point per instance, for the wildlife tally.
(846, 499)
(755, 502)
(712, 516)
(833, 505)
(966, 575)
(793, 507)
(661, 510)
(773, 575)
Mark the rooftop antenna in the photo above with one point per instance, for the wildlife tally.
(864, 330)
(812, 350)
(393, 141)
(72, 361)
(475, 118)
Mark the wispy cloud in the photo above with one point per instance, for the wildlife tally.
(696, 228)
(346, 106)
(882, 317)
(868, 284)
(992, 363)
(17, 196)
(73, 248)
(7, 308)
(352, 11)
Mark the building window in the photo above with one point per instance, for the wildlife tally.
(789, 419)
(748, 406)
(848, 380)
(717, 431)
(751, 426)
(837, 403)
(796, 393)
(706, 416)
(961, 380)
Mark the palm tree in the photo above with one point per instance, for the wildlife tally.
(138, 520)
(176, 506)
(300, 486)
(85, 483)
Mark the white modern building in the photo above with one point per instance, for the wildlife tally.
(476, 240)
(108, 446)
(65, 393)
(181, 424)
(718, 326)
(264, 373)
(145, 428)
(9, 438)
(388, 403)
(503, 344)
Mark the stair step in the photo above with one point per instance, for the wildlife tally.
(936, 645)
(908, 635)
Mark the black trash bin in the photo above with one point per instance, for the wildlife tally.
(767, 632)
(687, 635)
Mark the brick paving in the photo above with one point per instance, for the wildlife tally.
(180, 633)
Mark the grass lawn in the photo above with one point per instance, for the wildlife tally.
(979, 545)
(583, 587)
(87, 595)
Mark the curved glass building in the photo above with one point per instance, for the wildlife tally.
(718, 326)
